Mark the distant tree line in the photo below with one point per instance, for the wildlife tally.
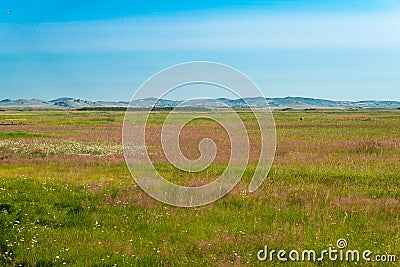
(142, 109)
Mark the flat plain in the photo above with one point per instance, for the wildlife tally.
(68, 198)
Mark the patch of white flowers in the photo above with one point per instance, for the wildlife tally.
(60, 148)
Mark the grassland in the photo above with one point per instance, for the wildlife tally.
(67, 197)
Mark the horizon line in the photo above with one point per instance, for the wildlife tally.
(210, 98)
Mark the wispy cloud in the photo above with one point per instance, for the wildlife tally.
(225, 32)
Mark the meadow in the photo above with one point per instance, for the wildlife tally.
(67, 197)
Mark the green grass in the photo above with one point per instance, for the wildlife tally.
(19, 134)
(63, 118)
(336, 175)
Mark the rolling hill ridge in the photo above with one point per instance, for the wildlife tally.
(257, 102)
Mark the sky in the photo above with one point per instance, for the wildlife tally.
(104, 50)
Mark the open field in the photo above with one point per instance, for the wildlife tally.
(67, 197)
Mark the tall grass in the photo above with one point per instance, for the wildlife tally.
(335, 175)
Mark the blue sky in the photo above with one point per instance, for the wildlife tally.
(104, 50)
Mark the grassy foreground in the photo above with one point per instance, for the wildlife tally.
(67, 197)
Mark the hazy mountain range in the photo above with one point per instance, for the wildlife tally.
(257, 102)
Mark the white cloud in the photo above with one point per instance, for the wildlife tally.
(225, 32)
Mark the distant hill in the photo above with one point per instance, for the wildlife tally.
(255, 102)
